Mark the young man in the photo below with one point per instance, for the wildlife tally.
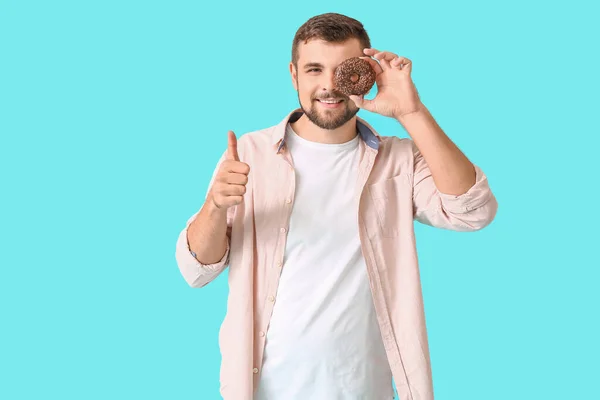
(314, 217)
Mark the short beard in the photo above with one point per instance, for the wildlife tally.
(328, 123)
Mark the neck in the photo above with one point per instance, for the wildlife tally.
(309, 131)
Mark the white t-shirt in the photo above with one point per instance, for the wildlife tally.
(323, 340)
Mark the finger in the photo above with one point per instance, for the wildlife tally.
(385, 55)
(236, 179)
(231, 190)
(232, 153)
(227, 201)
(234, 200)
(374, 64)
(358, 100)
(370, 51)
(237, 167)
(385, 64)
(400, 62)
(384, 58)
(363, 103)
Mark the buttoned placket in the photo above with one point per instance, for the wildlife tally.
(274, 273)
(381, 308)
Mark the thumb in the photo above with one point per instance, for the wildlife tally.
(232, 153)
(361, 102)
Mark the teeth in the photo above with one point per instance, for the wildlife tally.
(330, 101)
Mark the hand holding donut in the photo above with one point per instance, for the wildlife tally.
(397, 95)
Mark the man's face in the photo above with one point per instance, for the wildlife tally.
(319, 99)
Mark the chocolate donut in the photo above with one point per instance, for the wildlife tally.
(345, 76)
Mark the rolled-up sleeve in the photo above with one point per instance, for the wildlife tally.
(195, 273)
(469, 211)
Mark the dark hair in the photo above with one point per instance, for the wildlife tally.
(331, 27)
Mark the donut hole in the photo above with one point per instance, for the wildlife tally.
(354, 78)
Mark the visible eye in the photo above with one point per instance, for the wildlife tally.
(314, 70)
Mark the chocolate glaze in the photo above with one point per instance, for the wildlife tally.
(349, 68)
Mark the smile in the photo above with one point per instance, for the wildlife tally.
(330, 103)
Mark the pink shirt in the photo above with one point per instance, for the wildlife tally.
(395, 187)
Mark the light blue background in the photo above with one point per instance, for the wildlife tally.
(114, 113)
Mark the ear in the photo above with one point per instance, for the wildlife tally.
(294, 75)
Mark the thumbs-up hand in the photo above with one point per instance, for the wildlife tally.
(230, 183)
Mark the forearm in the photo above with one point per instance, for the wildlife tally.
(207, 234)
(451, 170)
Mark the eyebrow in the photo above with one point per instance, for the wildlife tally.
(313, 65)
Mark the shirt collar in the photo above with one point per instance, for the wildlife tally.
(366, 131)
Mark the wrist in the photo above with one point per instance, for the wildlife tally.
(419, 111)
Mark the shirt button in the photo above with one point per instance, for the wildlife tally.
(271, 299)
(288, 201)
(282, 230)
(255, 370)
(280, 265)
(262, 334)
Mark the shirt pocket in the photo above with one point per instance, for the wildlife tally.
(392, 201)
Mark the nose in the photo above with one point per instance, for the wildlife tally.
(328, 83)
